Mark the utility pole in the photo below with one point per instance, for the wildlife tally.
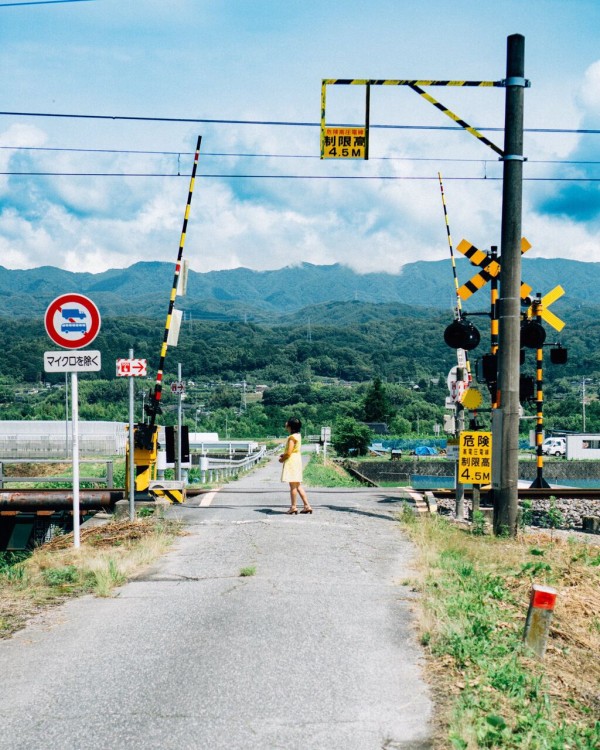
(506, 422)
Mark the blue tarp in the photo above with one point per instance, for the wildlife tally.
(425, 450)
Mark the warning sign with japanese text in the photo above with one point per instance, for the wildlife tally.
(344, 143)
(475, 458)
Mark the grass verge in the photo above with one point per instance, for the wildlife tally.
(107, 557)
(490, 692)
(317, 474)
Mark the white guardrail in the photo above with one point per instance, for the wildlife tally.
(216, 469)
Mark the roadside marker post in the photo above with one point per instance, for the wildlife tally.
(539, 616)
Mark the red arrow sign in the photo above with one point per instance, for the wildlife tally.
(131, 368)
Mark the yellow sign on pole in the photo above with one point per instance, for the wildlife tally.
(344, 143)
(475, 457)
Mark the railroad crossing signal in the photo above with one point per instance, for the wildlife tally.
(490, 269)
(541, 308)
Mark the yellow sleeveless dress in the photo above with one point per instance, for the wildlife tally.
(292, 467)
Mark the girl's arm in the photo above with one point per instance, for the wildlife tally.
(289, 448)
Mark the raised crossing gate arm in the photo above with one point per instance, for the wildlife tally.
(153, 407)
(146, 435)
(414, 84)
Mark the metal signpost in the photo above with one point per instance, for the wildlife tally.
(72, 321)
(130, 368)
(325, 438)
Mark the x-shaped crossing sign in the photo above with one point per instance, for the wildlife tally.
(490, 269)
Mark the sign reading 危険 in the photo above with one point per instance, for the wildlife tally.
(475, 457)
(344, 143)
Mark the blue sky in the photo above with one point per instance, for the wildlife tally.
(264, 61)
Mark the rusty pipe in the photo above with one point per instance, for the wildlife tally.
(54, 500)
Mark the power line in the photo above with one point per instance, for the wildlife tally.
(283, 123)
(242, 154)
(44, 2)
(291, 176)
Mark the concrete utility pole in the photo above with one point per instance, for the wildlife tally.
(506, 427)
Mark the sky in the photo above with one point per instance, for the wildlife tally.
(109, 189)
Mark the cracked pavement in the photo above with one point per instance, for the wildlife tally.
(316, 650)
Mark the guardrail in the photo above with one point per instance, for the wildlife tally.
(217, 469)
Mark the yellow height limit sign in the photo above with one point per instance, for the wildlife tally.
(475, 457)
(344, 143)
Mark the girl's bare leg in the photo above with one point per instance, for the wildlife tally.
(293, 494)
(295, 490)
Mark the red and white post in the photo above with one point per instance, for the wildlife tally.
(539, 616)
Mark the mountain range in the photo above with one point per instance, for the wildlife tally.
(325, 292)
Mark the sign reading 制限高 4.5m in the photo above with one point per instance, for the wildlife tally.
(344, 143)
(475, 457)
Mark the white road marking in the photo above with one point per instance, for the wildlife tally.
(207, 499)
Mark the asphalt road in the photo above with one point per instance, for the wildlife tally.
(315, 651)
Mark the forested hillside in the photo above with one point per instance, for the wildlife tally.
(262, 296)
(317, 362)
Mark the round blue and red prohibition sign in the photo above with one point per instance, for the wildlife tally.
(72, 321)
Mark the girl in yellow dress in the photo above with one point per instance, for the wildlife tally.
(291, 471)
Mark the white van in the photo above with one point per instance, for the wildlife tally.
(555, 446)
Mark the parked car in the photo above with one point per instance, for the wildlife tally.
(556, 446)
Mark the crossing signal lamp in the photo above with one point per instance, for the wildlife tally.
(558, 356)
(462, 335)
(533, 334)
(526, 388)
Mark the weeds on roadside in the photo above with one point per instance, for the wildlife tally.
(317, 474)
(108, 556)
(478, 526)
(554, 518)
(492, 693)
(248, 571)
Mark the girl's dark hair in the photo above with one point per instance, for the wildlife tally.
(295, 424)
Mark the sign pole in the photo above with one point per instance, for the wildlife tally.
(75, 423)
(179, 419)
(131, 449)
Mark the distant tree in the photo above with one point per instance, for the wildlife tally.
(351, 437)
(377, 406)
(400, 426)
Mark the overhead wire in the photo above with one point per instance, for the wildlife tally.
(245, 154)
(282, 123)
(292, 176)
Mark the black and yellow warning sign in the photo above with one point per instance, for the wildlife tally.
(344, 143)
(475, 457)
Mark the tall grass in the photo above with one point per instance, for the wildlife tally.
(318, 474)
(107, 558)
(492, 692)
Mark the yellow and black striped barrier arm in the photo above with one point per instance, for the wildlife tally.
(154, 407)
(406, 82)
(454, 272)
(455, 118)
